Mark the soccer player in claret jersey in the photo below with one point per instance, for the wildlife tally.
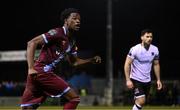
(57, 44)
(137, 68)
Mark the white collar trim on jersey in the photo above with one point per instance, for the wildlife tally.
(65, 32)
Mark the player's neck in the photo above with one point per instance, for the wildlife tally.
(146, 46)
(67, 31)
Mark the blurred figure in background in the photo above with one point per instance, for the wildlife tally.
(138, 66)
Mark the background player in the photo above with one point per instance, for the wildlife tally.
(138, 65)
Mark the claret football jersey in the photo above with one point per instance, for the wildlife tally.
(56, 46)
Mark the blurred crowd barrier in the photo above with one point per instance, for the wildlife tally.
(93, 93)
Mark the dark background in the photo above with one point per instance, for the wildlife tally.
(23, 20)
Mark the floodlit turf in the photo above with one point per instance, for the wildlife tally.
(98, 108)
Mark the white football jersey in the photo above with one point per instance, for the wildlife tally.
(142, 62)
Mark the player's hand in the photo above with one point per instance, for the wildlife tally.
(129, 84)
(32, 71)
(96, 60)
(159, 85)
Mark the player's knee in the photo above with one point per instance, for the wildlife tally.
(72, 104)
(140, 101)
(75, 99)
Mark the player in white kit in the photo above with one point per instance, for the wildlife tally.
(138, 66)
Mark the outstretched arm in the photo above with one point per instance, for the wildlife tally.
(157, 73)
(94, 60)
(31, 47)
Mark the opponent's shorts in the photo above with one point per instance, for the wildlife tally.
(41, 85)
(141, 89)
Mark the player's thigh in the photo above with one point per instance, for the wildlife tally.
(33, 92)
(138, 89)
(147, 87)
(52, 84)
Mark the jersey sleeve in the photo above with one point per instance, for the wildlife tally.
(52, 35)
(156, 57)
(131, 53)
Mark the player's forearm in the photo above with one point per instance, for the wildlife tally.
(31, 47)
(157, 71)
(127, 72)
(82, 61)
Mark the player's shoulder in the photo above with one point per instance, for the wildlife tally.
(134, 48)
(55, 31)
(137, 46)
(154, 47)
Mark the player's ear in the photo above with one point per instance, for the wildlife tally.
(142, 38)
(65, 21)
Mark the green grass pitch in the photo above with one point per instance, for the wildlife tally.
(98, 108)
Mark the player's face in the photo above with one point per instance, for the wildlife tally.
(73, 21)
(147, 38)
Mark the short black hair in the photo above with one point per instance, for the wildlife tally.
(146, 31)
(66, 13)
